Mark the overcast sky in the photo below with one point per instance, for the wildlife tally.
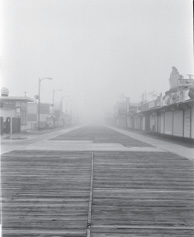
(95, 49)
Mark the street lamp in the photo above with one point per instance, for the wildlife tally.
(39, 84)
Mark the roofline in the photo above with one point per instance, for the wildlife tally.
(16, 98)
(167, 106)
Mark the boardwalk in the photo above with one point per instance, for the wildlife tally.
(97, 182)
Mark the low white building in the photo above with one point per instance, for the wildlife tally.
(13, 113)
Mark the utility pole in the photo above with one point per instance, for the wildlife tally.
(39, 84)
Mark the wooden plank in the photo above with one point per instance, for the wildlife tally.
(48, 193)
(152, 192)
(45, 194)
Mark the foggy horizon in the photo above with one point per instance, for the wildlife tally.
(94, 50)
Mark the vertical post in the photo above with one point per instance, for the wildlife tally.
(49, 78)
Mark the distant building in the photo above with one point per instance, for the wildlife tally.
(124, 111)
(171, 114)
(13, 112)
(47, 120)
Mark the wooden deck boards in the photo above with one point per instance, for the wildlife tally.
(135, 194)
(142, 195)
(101, 135)
(45, 194)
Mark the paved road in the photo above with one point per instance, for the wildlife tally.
(96, 181)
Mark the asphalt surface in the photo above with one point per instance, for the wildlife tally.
(96, 181)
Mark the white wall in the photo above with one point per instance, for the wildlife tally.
(168, 122)
(187, 124)
(162, 122)
(32, 108)
(143, 123)
(178, 123)
(4, 112)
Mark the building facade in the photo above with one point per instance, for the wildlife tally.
(14, 112)
(176, 119)
(171, 114)
(46, 118)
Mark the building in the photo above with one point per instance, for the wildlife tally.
(171, 114)
(121, 111)
(14, 112)
(49, 117)
(47, 120)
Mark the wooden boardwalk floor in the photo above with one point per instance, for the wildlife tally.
(101, 135)
(45, 193)
(142, 194)
(135, 194)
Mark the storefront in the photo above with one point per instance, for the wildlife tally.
(178, 123)
(175, 119)
(14, 113)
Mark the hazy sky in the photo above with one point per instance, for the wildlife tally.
(95, 49)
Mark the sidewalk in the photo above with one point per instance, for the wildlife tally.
(29, 133)
(23, 141)
(187, 142)
(170, 145)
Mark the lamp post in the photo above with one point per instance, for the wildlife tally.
(39, 84)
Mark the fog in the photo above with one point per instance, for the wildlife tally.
(94, 50)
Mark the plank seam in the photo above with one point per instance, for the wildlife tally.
(144, 227)
(90, 198)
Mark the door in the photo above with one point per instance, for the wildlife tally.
(187, 123)
(168, 122)
(178, 123)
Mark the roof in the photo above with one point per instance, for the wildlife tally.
(173, 105)
(16, 98)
